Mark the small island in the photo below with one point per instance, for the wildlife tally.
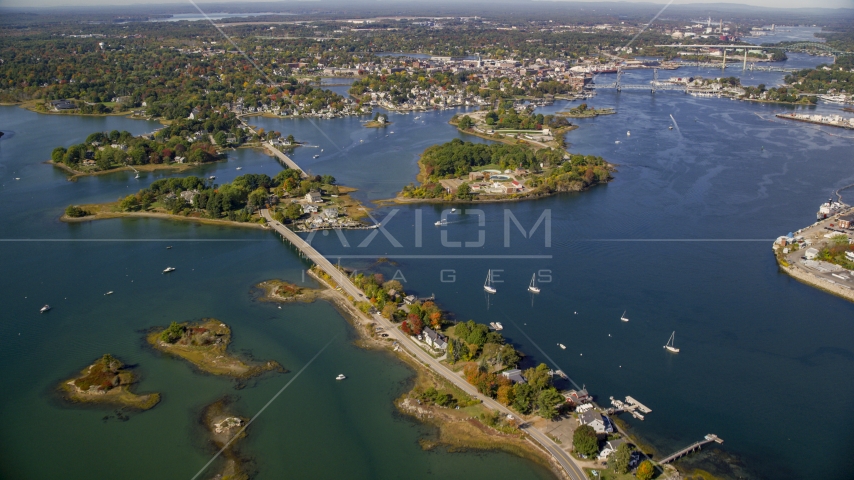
(380, 120)
(585, 111)
(226, 428)
(107, 381)
(204, 345)
(281, 291)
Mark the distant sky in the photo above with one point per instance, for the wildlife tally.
(759, 3)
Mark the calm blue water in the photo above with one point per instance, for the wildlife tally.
(765, 360)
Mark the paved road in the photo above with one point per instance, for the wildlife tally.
(281, 156)
(566, 461)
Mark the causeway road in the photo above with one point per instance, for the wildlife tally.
(278, 154)
(572, 469)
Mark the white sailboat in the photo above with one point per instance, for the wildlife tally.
(488, 284)
(169, 269)
(533, 288)
(623, 317)
(670, 346)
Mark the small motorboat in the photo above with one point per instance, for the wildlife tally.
(44, 309)
(17, 178)
(453, 210)
(562, 346)
(169, 269)
(137, 176)
(340, 377)
(239, 168)
(212, 177)
(316, 156)
(628, 134)
(670, 127)
(108, 293)
(441, 222)
(618, 142)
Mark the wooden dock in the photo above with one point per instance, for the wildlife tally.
(691, 448)
(630, 406)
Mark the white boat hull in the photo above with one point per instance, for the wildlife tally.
(671, 349)
(488, 289)
(533, 289)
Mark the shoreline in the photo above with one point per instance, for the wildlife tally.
(800, 274)
(161, 216)
(74, 175)
(450, 434)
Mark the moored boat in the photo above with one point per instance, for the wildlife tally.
(487, 286)
(670, 347)
(533, 288)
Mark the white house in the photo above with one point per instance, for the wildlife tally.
(435, 340)
(313, 197)
(595, 419)
(610, 447)
(811, 253)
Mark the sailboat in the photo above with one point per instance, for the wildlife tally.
(624, 317)
(533, 288)
(670, 346)
(488, 284)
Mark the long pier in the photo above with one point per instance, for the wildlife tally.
(691, 448)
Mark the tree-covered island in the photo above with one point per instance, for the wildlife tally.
(204, 345)
(108, 382)
(469, 171)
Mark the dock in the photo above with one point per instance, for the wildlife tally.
(630, 406)
(691, 448)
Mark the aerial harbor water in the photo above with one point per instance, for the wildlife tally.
(680, 239)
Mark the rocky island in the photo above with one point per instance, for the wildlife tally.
(280, 291)
(585, 111)
(226, 429)
(107, 381)
(204, 345)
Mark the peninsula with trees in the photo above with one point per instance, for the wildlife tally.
(107, 381)
(307, 203)
(204, 344)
